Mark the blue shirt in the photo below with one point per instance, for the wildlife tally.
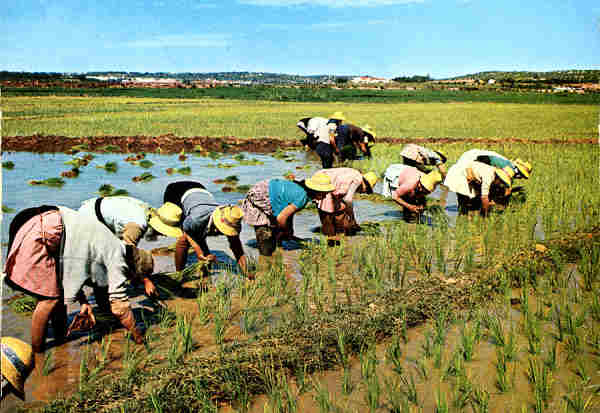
(283, 192)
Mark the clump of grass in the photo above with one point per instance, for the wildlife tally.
(540, 377)
(51, 182)
(145, 163)
(7, 210)
(109, 190)
(8, 165)
(394, 355)
(48, 366)
(109, 167)
(145, 177)
(109, 148)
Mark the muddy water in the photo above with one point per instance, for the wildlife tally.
(17, 194)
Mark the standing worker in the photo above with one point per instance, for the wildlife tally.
(270, 205)
(124, 216)
(473, 182)
(408, 187)
(326, 135)
(54, 251)
(201, 216)
(336, 210)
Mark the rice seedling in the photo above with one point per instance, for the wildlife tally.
(480, 400)
(456, 366)
(502, 380)
(220, 325)
(156, 401)
(184, 329)
(341, 348)
(437, 355)
(496, 330)
(7, 210)
(551, 361)
(109, 167)
(109, 148)
(468, 339)
(51, 182)
(145, 177)
(409, 389)
(576, 400)
(573, 346)
(462, 391)
(398, 403)
(203, 314)
(594, 308)
(145, 163)
(368, 361)
(441, 404)
(373, 393)
(23, 304)
(347, 385)
(49, 363)
(8, 165)
(588, 266)
(581, 372)
(394, 355)
(541, 379)
(322, 397)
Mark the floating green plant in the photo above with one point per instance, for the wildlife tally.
(109, 190)
(214, 155)
(186, 170)
(23, 304)
(7, 210)
(77, 162)
(73, 173)
(145, 177)
(80, 147)
(251, 162)
(8, 165)
(52, 182)
(110, 148)
(145, 163)
(108, 167)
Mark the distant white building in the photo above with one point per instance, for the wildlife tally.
(369, 80)
(491, 81)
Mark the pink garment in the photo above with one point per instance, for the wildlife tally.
(31, 262)
(346, 182)
(407, 182)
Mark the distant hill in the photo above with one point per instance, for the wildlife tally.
(558, 76)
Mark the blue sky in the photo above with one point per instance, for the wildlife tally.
(384, 38)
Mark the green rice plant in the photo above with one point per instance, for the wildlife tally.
(24, 304)
(373, 393)
(533, 331)
(551, 361)
(428, 344)
(441, 326)
(573, 321)
(49, 363)
(145, 163)
(184, 328)
(438, 355)
(109, 167)
(394, 355)
(322, 397)
(214, 155)
(588, 266)
(576, 401)
(174, 354)
(502, 380)
(51, 182)
(441, 403)
(8, 165)
(541, 379)
(145, 177)
(463, 391)
(409, 389)
(496, 330)
(368, 361)
(83, 372)
(480, 400)
(219, 328)
(581, 372)
(303, 385)
(398, 403)
(341, 347)
(573, 346)
(156, 401)
(347, 385)
(204, 309)
(109, 148)
(186, 170)
(7, 210)
(422, 368)
(467, 341)
(166, 318)
(560, 328)
(594, 308)
(456, 366)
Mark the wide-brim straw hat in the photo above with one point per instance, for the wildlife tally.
(369, 129)
(371, 179)
(523, 167)
(228, 219)
(143, 262)
(504, 177)
(431, 180)
(17, 363)
(166, 220)
(337, 116)
(320, 182)
(509, 171)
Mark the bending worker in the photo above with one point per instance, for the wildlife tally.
(309, 126)
(473, 182)
(126, 217)
(336, 210)
(54, 251)
(270, 205)
(521, 169)
(350, 139)
(191, 214)
(408, 187)
(419, 157)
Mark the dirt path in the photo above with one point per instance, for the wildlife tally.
(174, 144)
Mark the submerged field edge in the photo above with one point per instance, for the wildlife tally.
(170, 144)
(309, 345)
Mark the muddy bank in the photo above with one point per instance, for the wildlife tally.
(228, 144)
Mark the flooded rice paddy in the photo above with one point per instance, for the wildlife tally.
(18, 194)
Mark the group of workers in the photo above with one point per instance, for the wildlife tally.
(54, 251)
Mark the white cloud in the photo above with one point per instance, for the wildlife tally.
(182, 40)
(329, 3)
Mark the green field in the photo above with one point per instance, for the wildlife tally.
(92, 116)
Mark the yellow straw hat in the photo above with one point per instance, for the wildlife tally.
(17, 363)
(338, 116)
(509, 171)
(369, 130)
(371, 179)
(166, 220)
(228, 219)
(320, 182)
(504, 177)
(523, 167)
(430, 180)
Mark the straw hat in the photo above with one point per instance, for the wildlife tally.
(143, 262)
(430, 180)
(166, 220)
(17, 363)
(228, 219)
(369, 130)
(509, 171)
(504, 177)
(320, 182)
(338, 116)
(371, 179)
(523, 167)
